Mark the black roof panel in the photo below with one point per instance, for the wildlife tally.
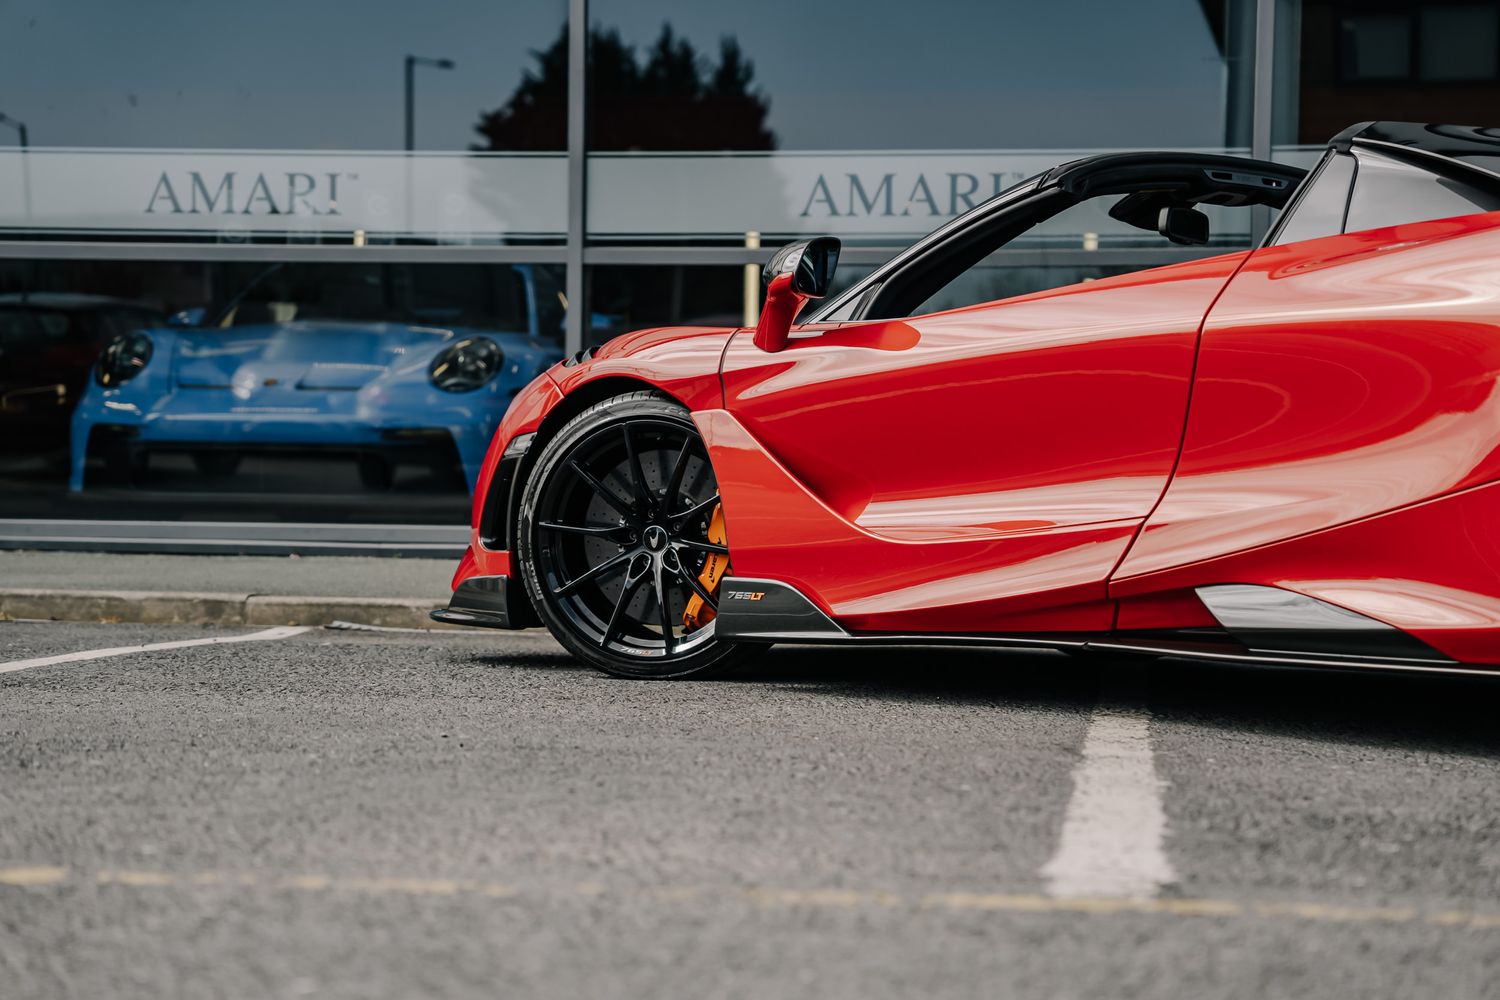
(1254, 182)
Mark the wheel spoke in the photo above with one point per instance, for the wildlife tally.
(702, 546)
(616, 618)
(684, 574)
(697, 509)
(592, 574)
(678, 471)
(608, 495)
(623, 491)
(664, 612)
(579, 529)
(637, 475)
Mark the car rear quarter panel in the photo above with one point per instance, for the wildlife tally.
(1337, 379)
(1344, 435)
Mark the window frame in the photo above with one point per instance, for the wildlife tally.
(1274, 234)
(1416, 71)
(1438, 168)
(1036, 199)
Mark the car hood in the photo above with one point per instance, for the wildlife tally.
(652, 339)
(313, 355)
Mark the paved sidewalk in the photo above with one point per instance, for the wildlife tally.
(226, 590)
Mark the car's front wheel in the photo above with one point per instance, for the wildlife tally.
(620, 540)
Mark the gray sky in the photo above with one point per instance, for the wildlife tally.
(872, 74)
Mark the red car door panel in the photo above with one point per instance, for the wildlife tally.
(997, 458)
(1338, 378)
(984, 582)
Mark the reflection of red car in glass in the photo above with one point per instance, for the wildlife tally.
(48, 343)
(1290, 454)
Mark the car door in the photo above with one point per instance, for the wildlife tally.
(974, 469)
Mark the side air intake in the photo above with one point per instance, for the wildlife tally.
(1275, 621)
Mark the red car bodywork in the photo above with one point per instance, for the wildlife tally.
(1321, 417)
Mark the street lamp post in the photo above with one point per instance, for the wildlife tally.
(20, 128)
(24, 140)
(412, 62)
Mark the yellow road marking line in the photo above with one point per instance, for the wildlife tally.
(1338, 914)
(37, 875)
(135, 878)
(33, 876)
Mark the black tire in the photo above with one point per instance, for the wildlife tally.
(611, 536)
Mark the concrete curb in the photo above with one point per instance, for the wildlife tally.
(187, 608)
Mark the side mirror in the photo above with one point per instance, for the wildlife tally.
(1185, 226)
(795, 274)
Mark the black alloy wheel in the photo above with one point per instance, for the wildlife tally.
(613, 537)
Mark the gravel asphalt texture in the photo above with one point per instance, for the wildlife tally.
(373, 814)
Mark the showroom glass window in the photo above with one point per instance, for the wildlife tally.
(287, 139)
(911, 117)
(1339, 62)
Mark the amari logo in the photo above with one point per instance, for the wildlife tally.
(894, 195)
(231, 193)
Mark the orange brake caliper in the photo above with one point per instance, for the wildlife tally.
(698, 613)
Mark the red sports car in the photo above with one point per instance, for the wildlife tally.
(1289, 454)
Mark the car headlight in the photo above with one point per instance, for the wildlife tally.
(123, 358)
(466, 364)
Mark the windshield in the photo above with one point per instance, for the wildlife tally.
(488, 296)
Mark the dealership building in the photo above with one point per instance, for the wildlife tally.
(270, 273)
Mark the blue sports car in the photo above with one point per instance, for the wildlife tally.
(385, 364)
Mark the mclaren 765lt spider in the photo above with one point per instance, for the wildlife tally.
(1289, 454)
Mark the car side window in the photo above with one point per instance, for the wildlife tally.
(1391, 192)
(1320, 209)
(1086, 226)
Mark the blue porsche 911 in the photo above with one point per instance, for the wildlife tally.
(384, 364)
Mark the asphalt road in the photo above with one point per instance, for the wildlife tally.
(387, 814)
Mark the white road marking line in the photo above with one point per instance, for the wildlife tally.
(343, 626)
(280, 632)
(1112, 835)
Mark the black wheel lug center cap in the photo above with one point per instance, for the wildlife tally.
(655, 538)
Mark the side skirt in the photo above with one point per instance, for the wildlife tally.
(767, 611)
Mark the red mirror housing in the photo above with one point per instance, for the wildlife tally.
(778, 314)
(794, 274)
